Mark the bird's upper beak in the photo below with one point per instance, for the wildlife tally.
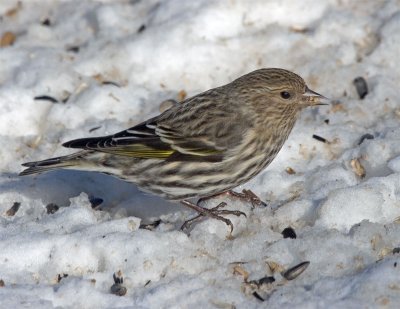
(311, 98)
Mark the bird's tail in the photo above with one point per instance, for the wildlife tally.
(52, 163)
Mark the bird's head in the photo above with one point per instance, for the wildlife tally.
(282, 87)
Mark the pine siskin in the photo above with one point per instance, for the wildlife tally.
(208, 144)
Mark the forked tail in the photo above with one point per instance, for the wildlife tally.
(51, 164)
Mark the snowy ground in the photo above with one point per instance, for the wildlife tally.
(109, 65)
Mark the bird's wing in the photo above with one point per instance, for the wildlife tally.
(148, 141)
(189, 131)
(138, 142)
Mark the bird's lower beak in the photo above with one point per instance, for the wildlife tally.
(311, 98)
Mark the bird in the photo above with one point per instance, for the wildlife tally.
(205, 145)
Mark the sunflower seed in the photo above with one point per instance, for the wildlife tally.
(294, 272)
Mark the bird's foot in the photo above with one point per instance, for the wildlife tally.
(215, 213)
(246, 195)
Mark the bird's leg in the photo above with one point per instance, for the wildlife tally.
(215, 213)
(246, 195)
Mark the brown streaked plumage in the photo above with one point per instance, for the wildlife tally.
(210, 143)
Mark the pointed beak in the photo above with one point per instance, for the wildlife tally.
(312, 98)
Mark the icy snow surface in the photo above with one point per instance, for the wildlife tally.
(109, 65)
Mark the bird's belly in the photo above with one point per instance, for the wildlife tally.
(182, 180)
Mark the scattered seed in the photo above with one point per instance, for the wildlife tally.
(46, 22)
(118, 279)
(7, 39)
(46, 98)
(150, 226)
(60, 277)
(361, 86)
(117, 288)
(1, 283)
(100, 78)
(13, 210)
(266, 280)
(256, 295)
(262, 281)
(319, 138)
(109, 82)
(364, 137)
(182, 95)
(94, 129)
(357, 167)
(239, 270)
(147, 283)
(262, 289)
(396, 250)
(289, 233)
(238, 263)
(95, 201)
(290, 171)
(74, 49)
(298, 29)
(52, 208)
(294, 272)
(275, 267)
(65, 96)
(141, 28)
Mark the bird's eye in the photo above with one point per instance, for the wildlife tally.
(285, 95)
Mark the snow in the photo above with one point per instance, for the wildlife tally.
(109, 65)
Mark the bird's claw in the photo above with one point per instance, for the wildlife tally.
(215, 213)
(248, 196)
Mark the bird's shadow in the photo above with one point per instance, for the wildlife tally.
(59, 186)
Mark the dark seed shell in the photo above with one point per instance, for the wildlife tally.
(256, 295)
(52, 208)
(13, 210)
(319, 138)
(289, 233)
(294, 272)
(364, 137)
(46, 98)
(361, 86)
(118, 290)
